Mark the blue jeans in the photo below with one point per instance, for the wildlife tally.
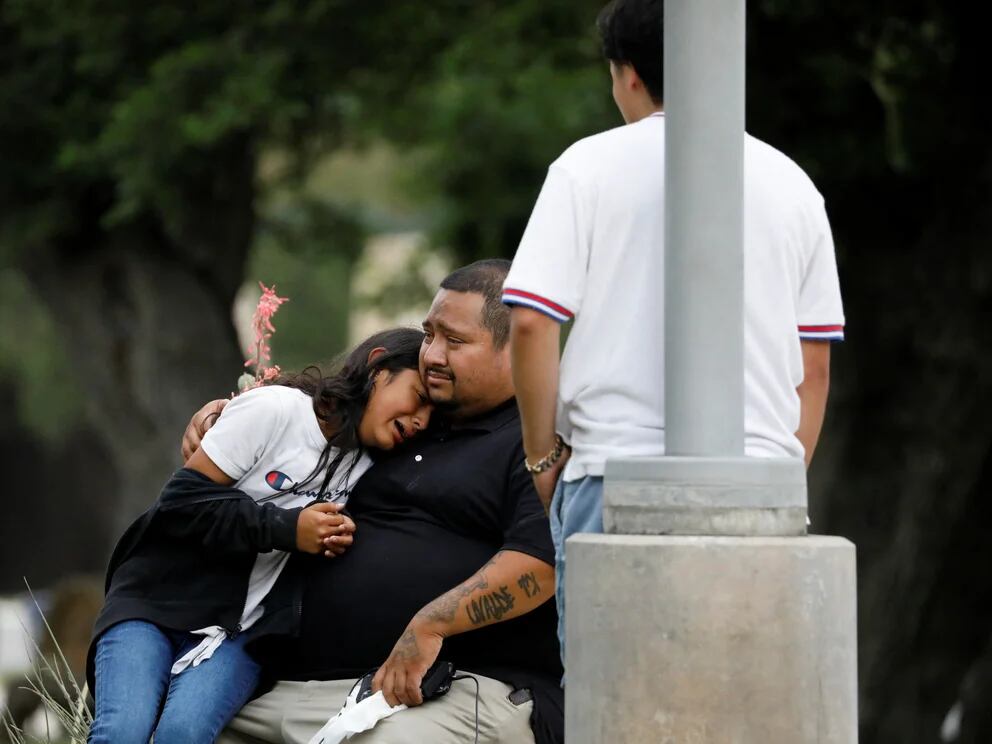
(577, 506)
(136, 694)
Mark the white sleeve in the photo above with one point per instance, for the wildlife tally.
(549, 270)
(245, 427)
(820, 313)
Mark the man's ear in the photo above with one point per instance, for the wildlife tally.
(631, 80)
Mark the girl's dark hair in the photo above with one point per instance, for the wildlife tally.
(339, 399)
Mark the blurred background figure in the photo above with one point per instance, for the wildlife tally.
(159, 160)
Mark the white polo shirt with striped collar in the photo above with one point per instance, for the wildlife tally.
(593, 250)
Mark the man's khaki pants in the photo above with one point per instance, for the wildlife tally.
(292, 712)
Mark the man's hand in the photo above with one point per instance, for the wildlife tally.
(544, 483)
(400, 677)
(510, 584)
(337, 544)
(319, 522)
(198, 425)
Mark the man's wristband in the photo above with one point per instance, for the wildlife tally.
(548, 461)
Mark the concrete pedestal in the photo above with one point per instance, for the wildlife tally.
(711, 640)
(705, 496)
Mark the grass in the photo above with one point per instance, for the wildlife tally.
(53, 683)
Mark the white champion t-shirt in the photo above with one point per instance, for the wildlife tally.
(268, 440)
(594, 250)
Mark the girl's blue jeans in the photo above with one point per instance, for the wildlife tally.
(136, 695)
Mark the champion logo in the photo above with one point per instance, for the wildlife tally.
(278, 481)
(283, 484)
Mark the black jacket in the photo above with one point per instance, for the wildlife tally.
(185, 563)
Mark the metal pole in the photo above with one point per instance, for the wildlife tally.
(704, 220)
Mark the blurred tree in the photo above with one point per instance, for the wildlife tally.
(313, 325)
(130, 138)
(881, 103)
(57, 512)
(498, 101)
(129, 147)
(34, 360)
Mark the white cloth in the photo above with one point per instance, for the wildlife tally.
(268, 440)
(213, 637)
(594, 249)
(355, 717)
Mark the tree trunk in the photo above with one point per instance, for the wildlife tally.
(151, 344)
(146, 316)
(50, 525)
(907, 463)
(881, 108)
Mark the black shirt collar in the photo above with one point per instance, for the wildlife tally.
(490, 421)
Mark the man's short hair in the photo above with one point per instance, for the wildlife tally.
(632, 32)
(485, 277)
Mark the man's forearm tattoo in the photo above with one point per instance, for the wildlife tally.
(528, 582)
(406, 646)
(490, 607)
(443, 609)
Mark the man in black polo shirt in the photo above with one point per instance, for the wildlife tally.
(452, 558)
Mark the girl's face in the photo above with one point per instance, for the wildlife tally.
(397, 409)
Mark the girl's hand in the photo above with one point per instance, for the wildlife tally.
(337, 544)
(317, 522)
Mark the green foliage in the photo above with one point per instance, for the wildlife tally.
(312, 269)
(503, 97)
(120, 115)
(115, 111)
(32, 357)
(120, 112)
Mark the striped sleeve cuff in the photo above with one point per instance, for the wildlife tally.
(821, 332)
(536, 302)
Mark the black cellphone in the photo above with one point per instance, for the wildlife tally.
(436, 682)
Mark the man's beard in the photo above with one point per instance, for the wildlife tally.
(451, 380)
(452, 404)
